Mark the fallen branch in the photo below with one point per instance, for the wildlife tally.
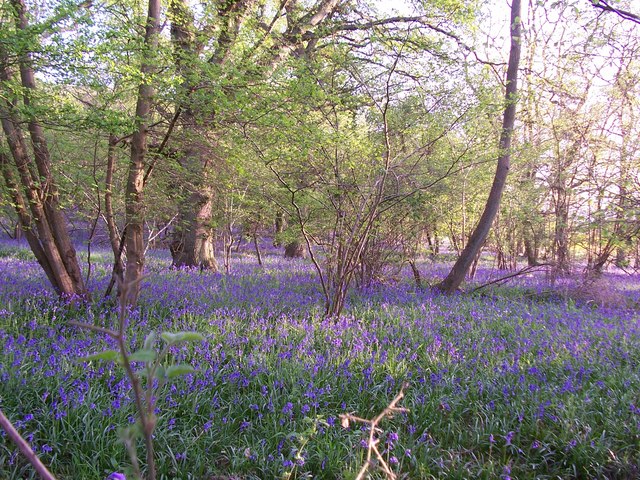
(532, 268)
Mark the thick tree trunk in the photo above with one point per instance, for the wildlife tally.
(530, 245)
(455, 278)
(134, 199)
(295, 249)
(279, 225)
(193, 244)
(193, 241)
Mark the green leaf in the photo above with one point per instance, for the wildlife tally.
(150, 341)
(143, 356)
(130, 433)
(172, 338)
(181, 369)
(108, 355)
(161, 373)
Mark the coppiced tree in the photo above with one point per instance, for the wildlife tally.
(29, 178)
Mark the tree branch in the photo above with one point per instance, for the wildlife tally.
(604, 5)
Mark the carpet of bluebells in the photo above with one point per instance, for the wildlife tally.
(515, 381)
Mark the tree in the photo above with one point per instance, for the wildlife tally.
(457, 274)
(135, 182)
(35, 194)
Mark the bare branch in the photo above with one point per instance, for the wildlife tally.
(605, 6)
(372, 442)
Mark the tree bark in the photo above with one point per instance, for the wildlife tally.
(279, 226)
(194, 239)
(117, 243)
(457, 274)
(295, 249)
(561, 229)
(24, 220)
(134, 199)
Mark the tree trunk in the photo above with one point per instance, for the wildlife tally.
(24, 220)
(117, 243)
(256, 246)
(40, 216)
(134, 199)
(457, 274)
(530, 245)
(279, 225)
(193, 244)
(193, 240)
(295, 249)
(561, 231)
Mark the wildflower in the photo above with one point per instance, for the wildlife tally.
(508, 438)
(288, 408)
(506, 473)
(116, 476)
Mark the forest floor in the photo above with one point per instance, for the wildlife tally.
(523, 380)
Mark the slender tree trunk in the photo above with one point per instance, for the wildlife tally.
(24, 219)
(134, 199)
(117, 243)
(416, 274)
(457, 274)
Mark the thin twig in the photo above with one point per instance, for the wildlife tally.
(372, 442)
(94, 328)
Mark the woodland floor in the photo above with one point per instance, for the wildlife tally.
(524, 380)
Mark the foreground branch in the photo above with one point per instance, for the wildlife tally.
(25, 448)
